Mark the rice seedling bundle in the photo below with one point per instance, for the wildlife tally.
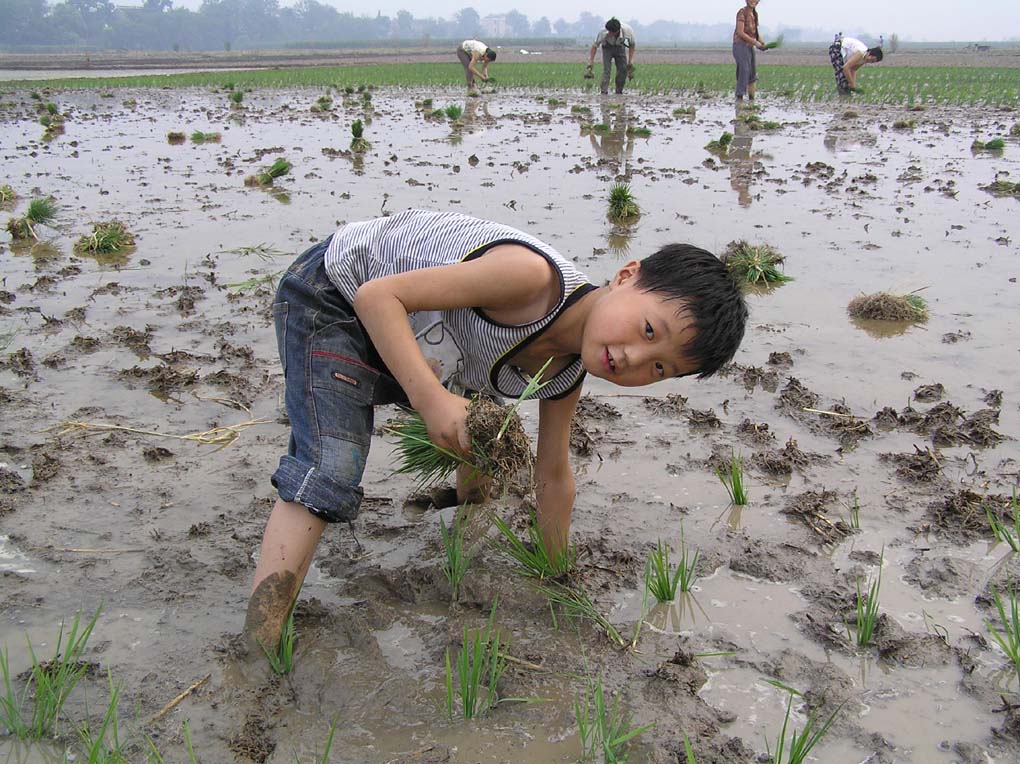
(721, 144)
(776, 43)
(267, 175)
(995, 144)
(236, 97)
(753, 264)
(453, 112)
(175, 137)
(623, 207)
(883, 306)
(7, 194)
(601, 127)
(358, 142)
(108, 237)
(576, 109)
(639, 132)
(685, 111)
(200, 137)
(733, 480)
(40, 211)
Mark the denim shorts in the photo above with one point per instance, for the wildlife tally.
(333, 378)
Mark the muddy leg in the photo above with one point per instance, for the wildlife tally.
(288, 546)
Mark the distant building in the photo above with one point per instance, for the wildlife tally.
(495, 25)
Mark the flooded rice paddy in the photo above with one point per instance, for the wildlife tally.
(175, 337)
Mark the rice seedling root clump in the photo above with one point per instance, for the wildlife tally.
(267, 175)
(754, 263)
(7, 194)
(111, 236)
(720, 145)
(40, 212)
(176, 137)
(996, 144)
(883, 306)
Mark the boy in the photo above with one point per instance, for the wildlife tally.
(395, 308)
(848, 55)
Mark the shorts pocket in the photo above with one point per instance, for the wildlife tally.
(342, 384)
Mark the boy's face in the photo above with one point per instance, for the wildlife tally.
(633, 337)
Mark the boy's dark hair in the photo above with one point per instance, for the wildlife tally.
(613, 25)
(876, 53)
(490, 54)
(709, 295)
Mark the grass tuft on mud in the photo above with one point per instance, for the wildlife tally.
(883, 306)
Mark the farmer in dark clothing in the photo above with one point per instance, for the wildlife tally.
(617, 41)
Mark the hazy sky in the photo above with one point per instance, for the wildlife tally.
(911, 19)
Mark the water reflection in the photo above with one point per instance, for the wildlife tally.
(847, 131)
(673, 617)
(618, 241)
(741, 159)
(881, 330)
(609, 138)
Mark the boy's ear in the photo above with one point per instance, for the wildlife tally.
(626, 273)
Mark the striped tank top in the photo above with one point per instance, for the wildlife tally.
(466, 349)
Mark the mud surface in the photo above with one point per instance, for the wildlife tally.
(917, 424)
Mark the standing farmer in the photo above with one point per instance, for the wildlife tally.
(617, 41)
(847, 55)
(745, 40)
(470, 52)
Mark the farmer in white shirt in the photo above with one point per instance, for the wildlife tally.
(617, 41)
(848, 55)
(470, 52)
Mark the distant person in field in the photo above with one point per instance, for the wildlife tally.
(848, 55)
(470, 52)
(617, 43)
(746, 40)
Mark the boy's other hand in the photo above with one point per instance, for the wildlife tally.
(445, 417)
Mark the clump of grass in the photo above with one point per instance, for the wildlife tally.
(720, 145)
(795, 749)
(1001, 530)
(200, 137)
(576, 603)
(603, 729)
(754, 263)
(532, 556)
(994, 145)
(685, 111)
(34, 714)
(41, 211)
(358, 142)
(1009, 638)
(639, 132)
(663, 580)
(267, 175)
(480, 666)
(457, 559)
(453, 112)
(883, 306)
(867, 609)
(623, 207)
(236, 98)
(7, 194)
(281, 660)
(733, 480)
(775, 43)
(111, 236)
(175, 137)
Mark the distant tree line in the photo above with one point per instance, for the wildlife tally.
(241, 24)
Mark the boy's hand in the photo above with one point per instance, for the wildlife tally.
(445, 417)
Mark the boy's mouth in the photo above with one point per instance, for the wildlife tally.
(608, 362)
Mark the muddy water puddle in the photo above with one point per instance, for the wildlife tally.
(163, 531)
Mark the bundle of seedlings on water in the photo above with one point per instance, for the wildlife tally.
(322, 103)
(754, 263)
(1009, 638)
(1001, 187)
(453, 112)
(500, 449)
(480, 665)
(1001, 529)
(576, 604)
(267, 175)
(994, 145)
(883, 306)
(34, 714)
(733, 479)
(456, 558)
(774, 44)
(281, 660)
(603, 729)
(554, 102)
(639, 132)
(532, 556)
(663, 580)
(108, 237)
(867, 609)
(425, 103)
(7, 194)
(358, 142)
(199, 137)
(40, 212)
(795, 749)
(175, 137)
(721, 144)
(366, 98)
(576, 109)
(601, 127)
(901, 124)
(623, 207)
(236, 97)
(685, 111)
(754, 122)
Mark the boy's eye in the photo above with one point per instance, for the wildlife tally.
(649, 332)
(660, 370)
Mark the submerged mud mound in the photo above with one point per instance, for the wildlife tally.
(962, 515)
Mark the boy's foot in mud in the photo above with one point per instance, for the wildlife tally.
(268, 610)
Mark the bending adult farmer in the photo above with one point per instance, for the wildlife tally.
(617, 41)
(746, 39)
(470, 52)
(848, 55)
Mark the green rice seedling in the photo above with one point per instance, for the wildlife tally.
(7, 194)
(662, 580)
(532, 556)
(903, 124)
(267, 175)
(1001, 530)
(281, 660)
(426, 103)
(733, 480)
(176, 137)
(457, 559)
(578, 109)
(1009, 638)
(795, 749)
(554, 102)
(35, 95)
(192, 759)
(601, 127)
(623, 207)
(366, 98)
(324, 759)
(52, 108)
(236, 98)
(252, 284)
(40, 211)
(755, 263)
(855, 514)
(49, 683)
(45, 120)
(775, 43)
(1000, 187)
(453, 112)
(994, 145)
(200, 137)
(688, 750)
(639, 132)
(720, 145)
(479, 667)
(685, 111)
(322, 103)
(602, 727)
(867, 608)
(111, 236)
(576, 603)
(417, 455)
(358, 142)
(103, 745)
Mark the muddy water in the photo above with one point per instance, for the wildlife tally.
(162, 532)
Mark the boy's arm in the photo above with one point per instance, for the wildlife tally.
(554, 478)
(850, 68)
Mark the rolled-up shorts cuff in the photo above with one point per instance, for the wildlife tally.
(324, 497)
